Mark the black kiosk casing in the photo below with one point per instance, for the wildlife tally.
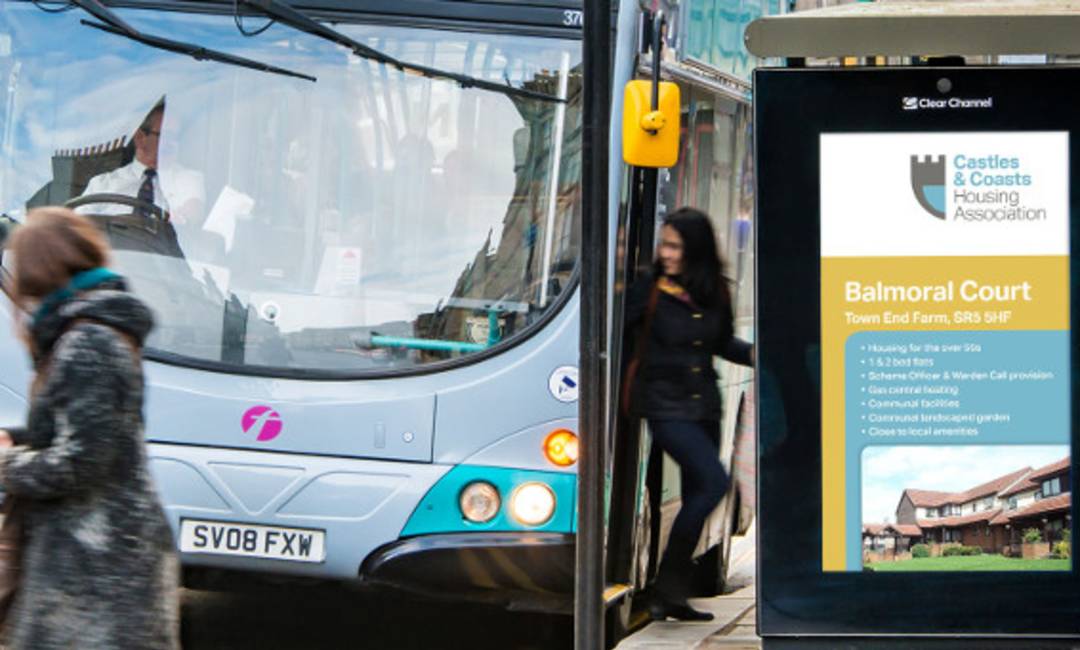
(793, 108)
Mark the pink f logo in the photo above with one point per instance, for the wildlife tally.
(263, 419)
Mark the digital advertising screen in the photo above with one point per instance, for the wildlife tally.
(945, 350)
(917, 367)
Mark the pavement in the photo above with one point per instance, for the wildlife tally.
(734, 625)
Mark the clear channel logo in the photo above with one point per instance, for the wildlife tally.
(932, 103)
(928, 183)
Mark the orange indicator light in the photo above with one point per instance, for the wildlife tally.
(561, 447)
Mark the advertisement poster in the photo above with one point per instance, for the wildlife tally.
(945, 351)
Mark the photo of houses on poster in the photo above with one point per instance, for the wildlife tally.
(966, 508)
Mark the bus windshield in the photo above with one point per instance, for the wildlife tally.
(374, 220)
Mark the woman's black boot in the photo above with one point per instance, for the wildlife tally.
(662, 607)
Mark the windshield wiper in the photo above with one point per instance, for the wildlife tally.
(113, 24)
(287, 14)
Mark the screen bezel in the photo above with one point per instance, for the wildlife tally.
(793, 108)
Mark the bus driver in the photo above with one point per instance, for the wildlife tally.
(181, 189)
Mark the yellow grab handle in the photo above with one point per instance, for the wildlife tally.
(653, 121)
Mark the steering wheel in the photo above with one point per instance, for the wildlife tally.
(122, 199)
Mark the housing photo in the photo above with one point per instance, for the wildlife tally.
(966, 508)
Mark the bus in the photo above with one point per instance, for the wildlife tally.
(357, 225)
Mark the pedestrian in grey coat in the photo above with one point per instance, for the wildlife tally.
(98, 565)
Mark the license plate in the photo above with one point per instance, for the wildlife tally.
(249, 540)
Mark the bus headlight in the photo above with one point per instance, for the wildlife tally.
(479, 502)
(561, 447)
(532, 504)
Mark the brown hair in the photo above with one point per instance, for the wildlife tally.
(53, 245)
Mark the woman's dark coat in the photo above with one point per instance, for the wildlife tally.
(676, 379)
(98, 566)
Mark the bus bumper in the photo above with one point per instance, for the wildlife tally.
(358, 505)
(516, 570)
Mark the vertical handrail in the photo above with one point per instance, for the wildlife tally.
(556, 170)
(589, 565)
(658, 23)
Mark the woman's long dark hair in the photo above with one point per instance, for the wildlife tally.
(702, 269)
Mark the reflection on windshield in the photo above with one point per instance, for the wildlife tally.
(372, 220)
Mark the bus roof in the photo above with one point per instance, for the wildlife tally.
(907, 28)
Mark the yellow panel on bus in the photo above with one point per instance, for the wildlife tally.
(651, 138)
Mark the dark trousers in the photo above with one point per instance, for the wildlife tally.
(695, 446)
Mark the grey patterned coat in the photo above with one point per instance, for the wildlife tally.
(98, 568)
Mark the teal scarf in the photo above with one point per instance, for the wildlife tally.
(83, 281)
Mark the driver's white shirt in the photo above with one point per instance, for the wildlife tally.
(173, 187)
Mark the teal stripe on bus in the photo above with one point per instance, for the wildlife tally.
(440, 512)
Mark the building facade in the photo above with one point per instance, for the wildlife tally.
(992, 516)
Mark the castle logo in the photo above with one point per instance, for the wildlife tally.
(928, 184)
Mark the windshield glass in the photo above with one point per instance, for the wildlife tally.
(371, 220)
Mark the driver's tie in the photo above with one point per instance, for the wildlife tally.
(146, 193)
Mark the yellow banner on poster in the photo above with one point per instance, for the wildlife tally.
(861, 294)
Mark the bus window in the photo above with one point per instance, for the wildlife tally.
(715, 174)
(708, 173)
(741, 240)
(372, 221)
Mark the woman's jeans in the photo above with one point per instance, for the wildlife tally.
(695, 446)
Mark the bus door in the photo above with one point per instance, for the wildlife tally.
(713, 174)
